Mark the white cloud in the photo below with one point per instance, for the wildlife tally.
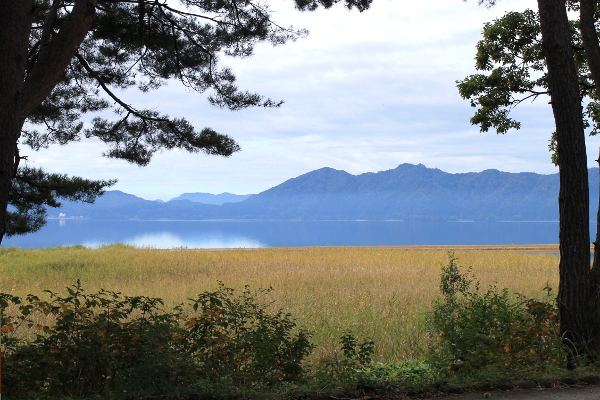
(363, 93)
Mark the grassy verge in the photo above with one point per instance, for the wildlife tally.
(379, 292)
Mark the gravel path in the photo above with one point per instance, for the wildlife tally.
(588, 392)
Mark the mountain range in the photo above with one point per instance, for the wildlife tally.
(408, 192)
(208, 198)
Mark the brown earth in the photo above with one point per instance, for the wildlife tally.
(587, 392)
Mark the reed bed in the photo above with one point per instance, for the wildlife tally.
(383, 293)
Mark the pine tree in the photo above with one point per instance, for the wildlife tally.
(62, 59)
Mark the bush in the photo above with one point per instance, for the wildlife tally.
(236, 338)
(347, 362)
(118, 346)
(352, 365)
(490, 330)
(410, 374)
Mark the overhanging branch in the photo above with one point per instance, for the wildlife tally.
(113, 96)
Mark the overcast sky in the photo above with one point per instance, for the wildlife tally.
(363, 93)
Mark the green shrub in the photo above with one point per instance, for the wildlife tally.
(117, 346)
(410, 373)
(489, 330)
(352, 365)
(236, 338)
(347, 362)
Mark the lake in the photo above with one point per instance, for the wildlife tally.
(249, 234)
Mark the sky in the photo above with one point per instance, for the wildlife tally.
(364, 92)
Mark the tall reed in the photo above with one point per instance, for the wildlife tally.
(380, 292)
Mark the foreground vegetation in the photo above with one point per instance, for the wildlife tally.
(352, 316)
(381, 293)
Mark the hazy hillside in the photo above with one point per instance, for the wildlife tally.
(408, 192)
(208, 198)
(412, 192)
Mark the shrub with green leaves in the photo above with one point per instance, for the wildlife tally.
(352, 364)
(237, 338)
(117, 346)
(490, 329)
(348, 361)
(409, 373)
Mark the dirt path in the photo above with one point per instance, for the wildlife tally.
(588, 392)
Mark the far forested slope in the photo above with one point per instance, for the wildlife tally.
(408, 192)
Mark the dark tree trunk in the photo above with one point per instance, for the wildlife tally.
(591, 45)
(595, 279)
(15, 20)
(574, 288)
(56, 55)
(589, 37)
(596, 263)
(22, 90)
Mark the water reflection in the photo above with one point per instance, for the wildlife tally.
(202, 241)
(234, 234)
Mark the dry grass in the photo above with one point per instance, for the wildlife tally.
(378, 292)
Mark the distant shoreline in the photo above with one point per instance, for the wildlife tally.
(525, 248)
(535, 248)
(298, 220)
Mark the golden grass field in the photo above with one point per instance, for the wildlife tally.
(378, 292)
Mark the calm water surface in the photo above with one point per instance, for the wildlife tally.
(239, 234)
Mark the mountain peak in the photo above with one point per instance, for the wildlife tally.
(208, 198)
(407, 192)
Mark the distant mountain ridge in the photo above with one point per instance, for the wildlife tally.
(408, 192)
(208, 198)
